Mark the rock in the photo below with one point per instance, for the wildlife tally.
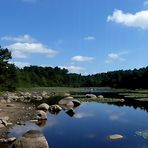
(43, 106)
(76, 102)
(40, 123)
(70, 112)
(70, 103)
(92, 96)
(66, 94)
(3, 101)
(100, 96)
(115, 137)
(7, 140)
(12, 139)
(65, 107)
(143, 134)
(55, 109)
(1, 125)
(41, 115)
(8, 101)
(3, 120)
(38, 98)
(10, 105)
(66, 101)
(44, 93)
(20, 123)
(31, 139)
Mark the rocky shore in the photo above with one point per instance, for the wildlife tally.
(17, 107)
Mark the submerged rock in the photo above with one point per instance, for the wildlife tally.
(143, 134)
(115, 137)
(31, 139)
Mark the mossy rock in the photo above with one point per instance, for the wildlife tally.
(143, 134)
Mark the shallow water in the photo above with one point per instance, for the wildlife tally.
(90, 127)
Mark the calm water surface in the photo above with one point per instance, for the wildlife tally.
(90, 127)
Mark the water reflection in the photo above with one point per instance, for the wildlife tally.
(83, 115)
(143, 105)
(90, 124)
(70, 112)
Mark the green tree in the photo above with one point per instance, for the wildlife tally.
(7, 71)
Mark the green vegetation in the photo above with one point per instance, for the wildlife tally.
(12, 77)
(8, 77)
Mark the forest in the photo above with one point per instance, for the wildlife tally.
(12, 77)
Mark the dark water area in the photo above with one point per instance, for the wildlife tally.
(91, 126)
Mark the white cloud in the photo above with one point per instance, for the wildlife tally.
(81, 58)
(74, 69)
(24, 38)
(18, 54)
(32, 48)
(88, 38)
(21, 64)
(112, 57)
(139, 19)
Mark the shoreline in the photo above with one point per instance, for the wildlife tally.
(15, 113)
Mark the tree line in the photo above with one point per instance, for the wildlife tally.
(12, 77)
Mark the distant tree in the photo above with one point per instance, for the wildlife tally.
(7, 71)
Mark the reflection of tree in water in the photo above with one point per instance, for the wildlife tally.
(132, 103)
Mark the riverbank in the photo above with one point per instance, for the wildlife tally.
(14, 113)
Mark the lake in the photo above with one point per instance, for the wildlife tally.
(91, 126)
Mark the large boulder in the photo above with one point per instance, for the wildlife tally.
(31, 139)
(69, 101)
(43, 106)
(65, 100)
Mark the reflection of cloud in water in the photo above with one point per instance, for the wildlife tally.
(83, 115)
(117, 116)
(19, 130)
(51, 123)
(91, 136)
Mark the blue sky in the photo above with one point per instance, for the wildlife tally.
(84, 36)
